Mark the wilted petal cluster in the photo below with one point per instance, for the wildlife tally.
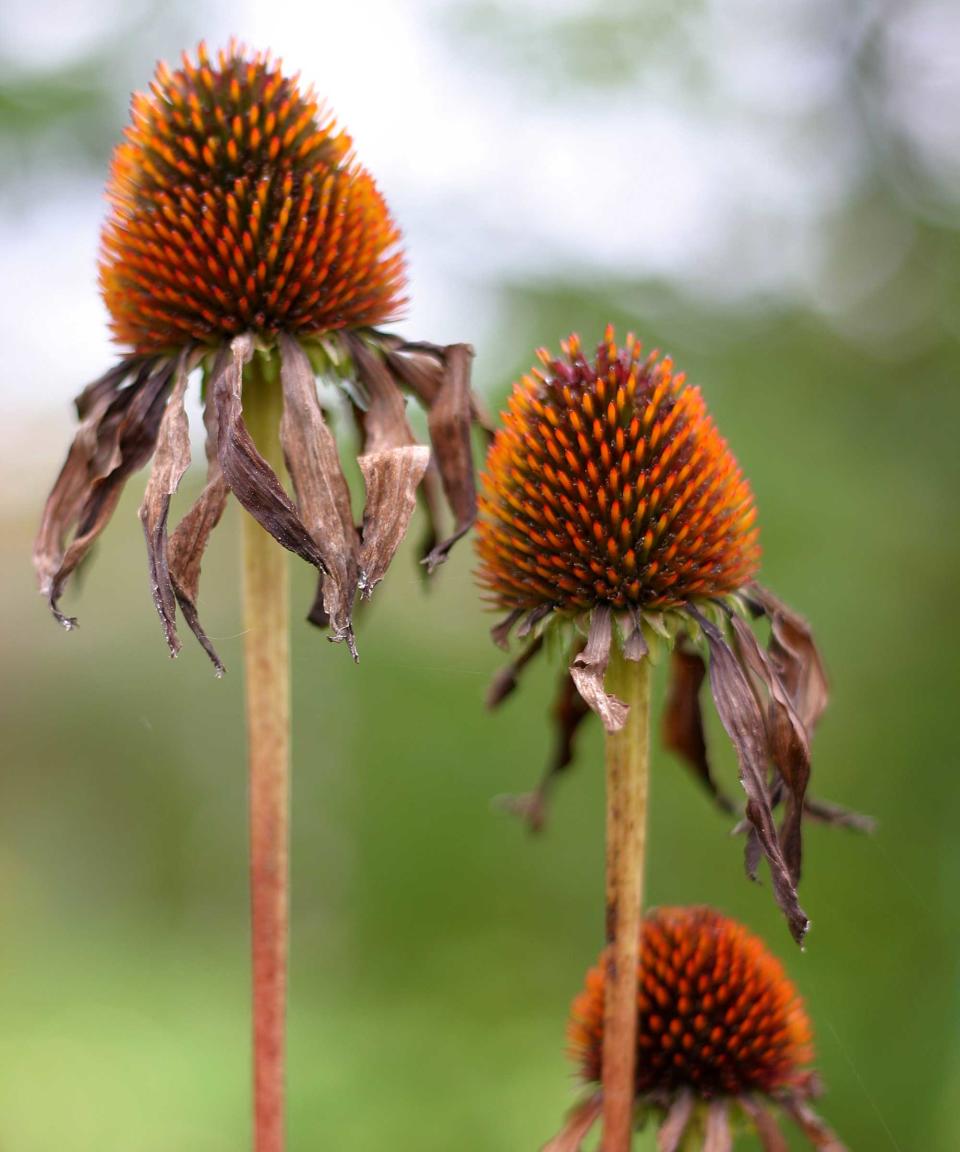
(613, 510)
(245, 241)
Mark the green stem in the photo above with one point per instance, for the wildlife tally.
(267, 666)
(628, 763)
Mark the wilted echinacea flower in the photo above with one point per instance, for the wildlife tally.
(722, 1036)
(241, 227)
(611, 504)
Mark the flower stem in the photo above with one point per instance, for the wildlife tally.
(267, 665)
(628, 763)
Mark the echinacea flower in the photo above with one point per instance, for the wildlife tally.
(245, 239)
(612, 509)
(722, 1039)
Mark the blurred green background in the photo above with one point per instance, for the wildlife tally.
(435, 945)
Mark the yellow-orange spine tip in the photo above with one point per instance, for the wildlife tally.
(236, 204)
(608, 483)
(717, 1014)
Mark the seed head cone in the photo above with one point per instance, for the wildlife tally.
(716, 1013)
(236, 206)
(608, 483)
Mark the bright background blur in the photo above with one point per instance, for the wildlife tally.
(769, 192)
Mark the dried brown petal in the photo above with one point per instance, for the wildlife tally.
(795, 657)
(741, 717)
(501, 632)
(171, 460)
(674, 1127)
(634, 645)
(812, 1126)
(589, 669)
(391, 478)
(430, 494)
(683, 731)
(718, 1136)
(765, 1125)
(577, 1127)
(67, 496)
(825, 812)
(323, 497)
(384, 420)
(449, 420)
(533, 618)
(189, 540)
(249, 476)
(115, 440)
(568, 712)
(505, 681)
(787, 739)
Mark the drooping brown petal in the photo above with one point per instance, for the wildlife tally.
(430, 494)
(533, 618)
(189, 540)
(590, 667)
(448, 421)
(718, 1136)
(577, 1127)
(674, 1127)
(505, 681)
(812, 1126)
(741, 717)
(634, 645)
(569, 710)
(765, 1125)
(795, 657)
(68, 494)
(119, 440)
(323, 497)
(787, 739)
(500, 632)
(391, 478)
(249, 476)
(827, 813)
(171, 460)
(683, 731)
(384, 419)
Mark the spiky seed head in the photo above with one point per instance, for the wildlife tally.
(716, 1013)
(237, 205)
(608, 483)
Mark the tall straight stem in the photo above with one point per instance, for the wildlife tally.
(628, 764)
(267, 666)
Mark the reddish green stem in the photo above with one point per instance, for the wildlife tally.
(267, 665)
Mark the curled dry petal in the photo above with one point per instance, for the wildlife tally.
(500, 632)
(827, 813)
(189, 540)
(449, 420)
(568, 712)
(505, 681)
(718, 1136)
(171, 460)
(812, 1126)
(741, 717)
(795, 656)
(634, 645)
(249, 476)
(533, 618)
(391, 478)
(577, 1127)
(590, 667)
(787, 740)
(674, 1127)
(323, 498)
(765, 1125)
(683, 731)
(117, 436)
